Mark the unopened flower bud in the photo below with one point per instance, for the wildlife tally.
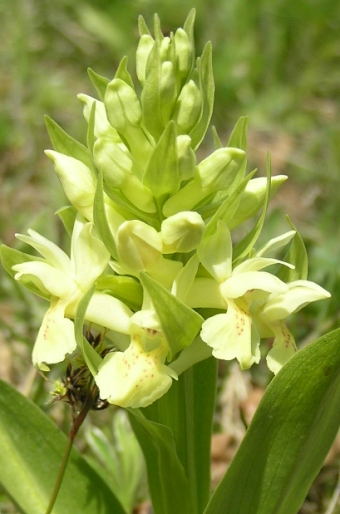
(145, 46)
(252, 199)
(182, 232)
(78, 181)
(167, 90)
(122, 105)
(139, 245)
(164, 49)
(119, 172)
(115, 164)
(186, 157)
(215, 173)
(188, 107)
(102, 126)
(184, 53)
(218, 170)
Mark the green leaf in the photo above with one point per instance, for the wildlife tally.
(216, 138)
(128, 209)
(189, 25)
(297, 255)
(122, 72)
(188, 411)
(238, 137)
(67, 145)
(100, 219)
(91, 357)
(207, 87)
(32, 448)
(90, 137)
(246, 245)
(162, 175)
(119, 459)
(126, 289)
(167, 481)
(99, 82)
(229, 206)
(67, 215)
(10, 257)
(142, 26)
(179, 323)
(151, 109)
(289, 437)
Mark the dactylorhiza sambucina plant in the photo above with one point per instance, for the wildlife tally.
(165, 276)
(159, 263)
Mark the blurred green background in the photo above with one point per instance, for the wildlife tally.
(276, 61)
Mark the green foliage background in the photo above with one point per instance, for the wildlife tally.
(276, 61)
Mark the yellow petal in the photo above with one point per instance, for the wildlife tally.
(134, 378)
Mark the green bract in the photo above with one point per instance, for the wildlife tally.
(154, 216)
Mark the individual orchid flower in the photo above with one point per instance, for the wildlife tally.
(276, 309)
(65, 280)
(138, 376)
(232, 334)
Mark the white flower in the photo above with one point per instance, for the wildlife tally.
(233, 334)
(138, 376)
(277, 308)
(66, 280)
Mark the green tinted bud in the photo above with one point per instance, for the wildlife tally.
(78, 181)
(253, 197)
(145, 46)
(167, 91)
(218, 170)
(186, 157)
(102, 126)
(122, 105)
(118, 172)
(139, 245)
(184, 53)
(124, 113)
(188, 107)
(182, 232)
(160, 90)
(203, 75)
(164, 50)
(115, 164)
(213, 174)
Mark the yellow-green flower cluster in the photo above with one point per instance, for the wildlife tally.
(152, 237)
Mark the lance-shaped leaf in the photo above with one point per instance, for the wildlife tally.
(10, 257)
(289, 437)
(159, 91)
(100, 219)
(162, 175)
(207, 87)
(67, 215)
(238, 139)
(297, 255)
(99, 82)
(188, 411)
(122, 72)
(32, 449)
(63, 143)
(166, 474)
(91, 357)
(179, 323)
(248, 242)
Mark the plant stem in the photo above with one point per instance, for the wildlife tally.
(76, 424)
